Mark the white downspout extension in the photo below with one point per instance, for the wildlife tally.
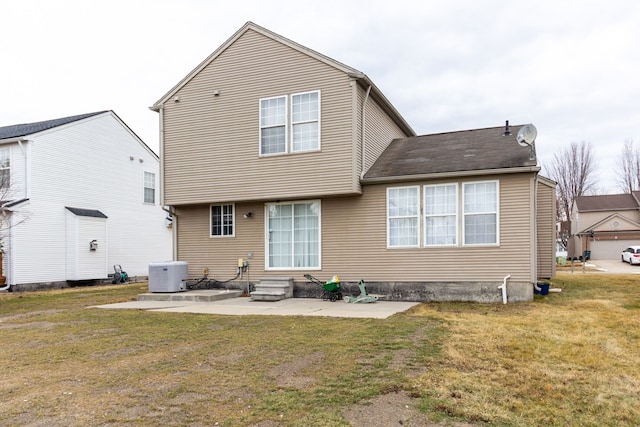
(504, 288)
(363, 139)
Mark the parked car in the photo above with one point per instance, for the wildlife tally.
(631, 255)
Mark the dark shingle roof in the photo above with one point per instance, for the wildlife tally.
(15, 131)
(609, 202)
(86, 212)
(470, 150)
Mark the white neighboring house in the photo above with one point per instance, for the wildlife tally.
(84, 196)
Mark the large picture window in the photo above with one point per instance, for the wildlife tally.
(403, 215)
(290, 123)
(293, 235)
(222, 220)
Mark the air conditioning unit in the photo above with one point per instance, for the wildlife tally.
(169, 276)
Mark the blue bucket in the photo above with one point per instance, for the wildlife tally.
(544, 289)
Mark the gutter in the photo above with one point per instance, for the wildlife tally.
(453, 174)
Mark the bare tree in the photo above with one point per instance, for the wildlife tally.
(628, 178)
(572, 169)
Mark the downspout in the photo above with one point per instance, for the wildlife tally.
(174, 231)
(170, 211)
(535, 228)
(26, 167)
(363, 139)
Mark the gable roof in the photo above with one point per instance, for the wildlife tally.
(15, 131)
(608, 202)
(469, 152)
(613, 223)
(352, 72)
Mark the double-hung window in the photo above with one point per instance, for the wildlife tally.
(5, 168)
(441, 215)
(480, 213)
(222, 217)
(293, 235)
(403, 216)
(290, 123)
(149, 187)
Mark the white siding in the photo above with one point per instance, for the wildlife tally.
(96, 163)
(82, 262)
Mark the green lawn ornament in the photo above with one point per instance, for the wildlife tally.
(364, 297)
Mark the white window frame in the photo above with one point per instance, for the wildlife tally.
(284, 124)
(390, 217)
(267, 234)
(460, 216)
(144, 187)
(222, 225)
(454, 214)
(495, 212)
(5, 167)
(289, 124)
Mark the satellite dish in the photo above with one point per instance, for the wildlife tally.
(527, 135)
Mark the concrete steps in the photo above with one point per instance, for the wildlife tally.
(273, 289)
(200, 295)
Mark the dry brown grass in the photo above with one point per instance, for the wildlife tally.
(566, 359)
(569, 358)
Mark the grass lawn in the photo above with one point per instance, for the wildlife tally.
(569, 358)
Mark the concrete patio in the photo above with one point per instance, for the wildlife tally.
(230, 303)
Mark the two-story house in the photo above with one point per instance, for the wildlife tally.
(277, 155)
(80, 196)
(604, 225)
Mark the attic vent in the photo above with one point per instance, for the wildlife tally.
(615, 224)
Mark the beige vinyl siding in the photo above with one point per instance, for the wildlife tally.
(546, 232)
(379, 131)
(354, 242)
(211, 143)
(220, 254)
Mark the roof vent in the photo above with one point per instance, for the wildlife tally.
(507, 132)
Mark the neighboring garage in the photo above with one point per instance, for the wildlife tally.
(604, 225)
(609, 249)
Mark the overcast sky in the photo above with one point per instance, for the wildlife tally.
(572, 68)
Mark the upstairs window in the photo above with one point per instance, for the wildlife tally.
(290, 124)
(150, 188)
(5, 168)
(222, 221)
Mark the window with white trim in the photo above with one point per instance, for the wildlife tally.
(440, 214)
(452, 214)
(149, 187)
(5, 168)
(290, 124)
(293, 235)
(403, 216)
(480, 212)
(222, 220)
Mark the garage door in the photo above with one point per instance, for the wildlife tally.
(609, 249)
